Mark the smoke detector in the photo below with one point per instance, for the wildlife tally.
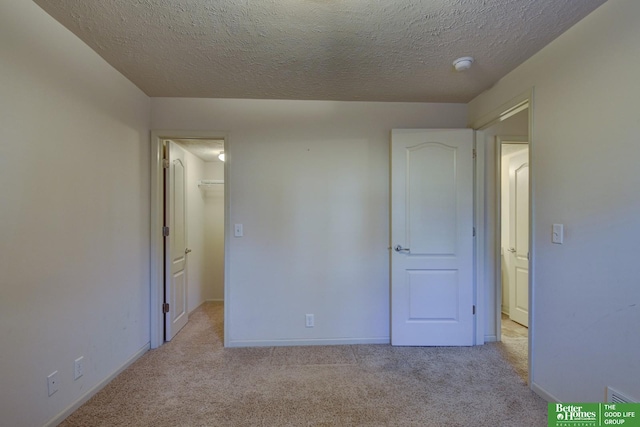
(463, 64)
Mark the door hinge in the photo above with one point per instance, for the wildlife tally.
(475, 154)
(474, 310)
(165, 163)
(165, 231)
(165, 307)
(474, 232)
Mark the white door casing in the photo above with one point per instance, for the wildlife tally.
(432, 287)
(175, 244)
(519, 237)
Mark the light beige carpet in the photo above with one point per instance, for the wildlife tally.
(194, 381)
(515, 346)
(515, 351)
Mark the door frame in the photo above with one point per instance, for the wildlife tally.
(156, 273)
(510, 108)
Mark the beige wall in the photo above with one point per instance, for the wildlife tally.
(584, 155)
(309, 182)
(74, 235)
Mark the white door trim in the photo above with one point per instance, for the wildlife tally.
(478, 224)
(506, 110)
(156, 285)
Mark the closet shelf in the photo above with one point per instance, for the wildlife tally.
(210, 183)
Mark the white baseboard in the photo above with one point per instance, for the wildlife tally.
(331, 341)
(543, 393)
(89, 394)
(490, 338)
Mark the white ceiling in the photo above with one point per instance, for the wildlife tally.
(366, 50)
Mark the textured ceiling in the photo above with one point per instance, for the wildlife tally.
(367, 50)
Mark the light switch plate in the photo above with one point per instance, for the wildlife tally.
(237, 230)
(557, 234)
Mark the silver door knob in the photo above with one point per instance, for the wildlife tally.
(512, 250)
(187, 250)
(399, 248)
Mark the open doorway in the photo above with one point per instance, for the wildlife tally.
(201, 160)
(514, 228)
(204, 225)
(513, 177)
(509, 123)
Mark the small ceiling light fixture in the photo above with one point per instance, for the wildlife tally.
(463, 64)
(221, 156)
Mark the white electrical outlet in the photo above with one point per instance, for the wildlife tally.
(52, 382)
(309, 320)
(78, 368)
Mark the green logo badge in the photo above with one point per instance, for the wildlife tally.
(593, 414)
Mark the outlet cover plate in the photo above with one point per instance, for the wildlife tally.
(309, 320)
(78, 368)
(52, 382)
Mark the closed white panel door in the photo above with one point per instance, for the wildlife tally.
(175, 243)
(519, 237)
(432, 237)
